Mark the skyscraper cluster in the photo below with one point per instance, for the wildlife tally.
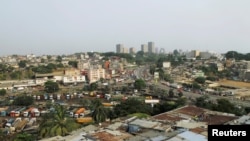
(146, 48)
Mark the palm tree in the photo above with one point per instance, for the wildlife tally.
(99, 112)
(56, 123)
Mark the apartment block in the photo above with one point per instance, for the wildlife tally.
(151, 47)
(95, 74)
(144, 48)
(132, 50)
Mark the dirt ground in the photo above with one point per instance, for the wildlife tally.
(235, 83)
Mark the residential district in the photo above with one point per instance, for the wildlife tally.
(149, 95)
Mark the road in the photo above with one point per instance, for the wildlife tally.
(139, 73)
(212, 97)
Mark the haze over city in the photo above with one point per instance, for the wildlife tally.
(65, 27)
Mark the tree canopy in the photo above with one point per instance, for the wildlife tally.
(22, 63)
(139, 84)
(23, 100)
(56, 123)
(51, 86)
(3, 92)
(100, 113)
(131, 106)
(200, 80)
(222, 105)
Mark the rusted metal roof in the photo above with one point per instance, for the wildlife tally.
(217, 119)
(168, 117)
(191, 110)
(104, 136)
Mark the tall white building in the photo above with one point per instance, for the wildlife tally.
(125, 50)
(151, 47)
(144, 48)
(119, 48)
(192, 54)
(132, 50)
(205, 55)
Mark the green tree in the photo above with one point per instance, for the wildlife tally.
(3, 76)
(100, 113)
(93, 86)
(59, 59)
(42, 69)
(171, 93)
(23, 100)
(161, 74)
(152, 69)
(164, 107)
(3, 92)
(22, 63)
(73, 63)
(211, 78)
(139, 58)
(60, 65)
(24, 137)
(204, 102)
(160, 61)
(3, 135)
(111, 114)
(28, 74)
(51, 86)
(56, 123)
(49, 57)
(180, 94)
(200, 80)
(131, 106)
(51, 66)
(86, 103)
(181, 101)
(176, 52)
(236, 55)
(195, 85)
(139, 84)
(224, 105)
(16, 75)
(167, 77)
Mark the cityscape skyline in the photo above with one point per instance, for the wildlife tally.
(67, 27)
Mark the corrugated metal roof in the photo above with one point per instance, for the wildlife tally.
(114, 126)
(144, 123)
(89, 128)
(191, 136)
(158, 138)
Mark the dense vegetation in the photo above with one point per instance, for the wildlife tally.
(23, 100)
(222, 105)
(51, 86)
(238, 56)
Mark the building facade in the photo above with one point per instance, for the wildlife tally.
(95, 74)
(144, 48)
(151, 47)
(132, 50)
(119, 48)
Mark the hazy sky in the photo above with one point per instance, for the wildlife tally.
(70, 26)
